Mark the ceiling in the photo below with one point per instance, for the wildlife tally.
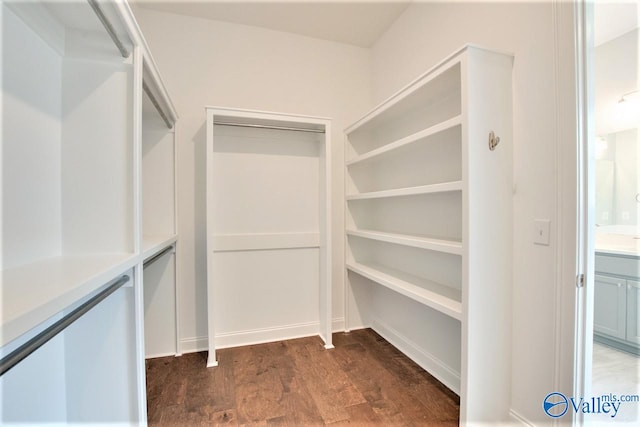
(356, 22)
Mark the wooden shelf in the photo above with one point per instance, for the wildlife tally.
(439, 245)
(34, 292)
(440, 127)
(409, 191)
(439, 297)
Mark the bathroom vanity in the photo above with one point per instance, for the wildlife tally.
(617, 291)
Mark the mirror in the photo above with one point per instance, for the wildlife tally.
(618, 179)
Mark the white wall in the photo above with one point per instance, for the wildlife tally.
(617, 65)
(421, 37)
(31, 145)
(205, 62)
(627, 181)
(229, 65)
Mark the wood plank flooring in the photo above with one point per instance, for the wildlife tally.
(364, 381)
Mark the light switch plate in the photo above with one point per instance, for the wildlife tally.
(541, 231)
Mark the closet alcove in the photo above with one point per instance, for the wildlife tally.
(268, 227)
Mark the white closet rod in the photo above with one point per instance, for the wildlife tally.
(253, 125)
(155, 103)
(109, 28)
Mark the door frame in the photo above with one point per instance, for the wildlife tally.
(576, 198)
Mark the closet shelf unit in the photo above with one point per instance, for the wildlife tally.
(447, 124)
(158, 206)
(72, 196)
(408, 191)
(159, 154)
(446, 246)
(439, 297)
(428, 221)
(37, 291)
(268, 227)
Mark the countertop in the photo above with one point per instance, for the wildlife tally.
(618, 244)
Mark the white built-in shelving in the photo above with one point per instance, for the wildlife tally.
(432, 294)
(268, 227)
(428, 223)
(72, 207)
(159, 240)
(446, 246)
(408, 191)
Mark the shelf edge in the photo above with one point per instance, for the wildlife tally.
(452, 308)
(444, 187)
(439, 245)
(394, 145)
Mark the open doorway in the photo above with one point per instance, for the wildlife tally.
(614, 73)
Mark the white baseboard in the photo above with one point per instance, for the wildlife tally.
(155, 356)
(264, 335)
(423, 358)
(337, 325)
(518, 419)
(257, 336)
(194, 345)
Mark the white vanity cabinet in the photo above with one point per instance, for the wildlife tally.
(617, 300)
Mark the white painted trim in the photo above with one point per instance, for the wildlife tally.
(197, 344)
(438, 245)
(140, 369)
(585, 196)
(423, 358)
(194, 345)
(439, 297)
(211, 357)
(158, 355)
(323, 327)
(137, 38)
(443, 187)
(326, 240)
(178, 268)
(264, 335)
(571, 226)
(268, 115)
(428, 75)
(152, 245)
(418, 136)
(260, 241)
(141, 378)
(516, 418)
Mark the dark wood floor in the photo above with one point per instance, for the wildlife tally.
(364, 381)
